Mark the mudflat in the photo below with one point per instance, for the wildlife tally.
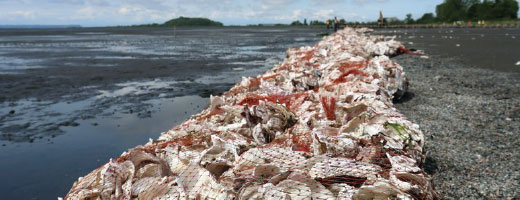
(70, 99)
(70, 65)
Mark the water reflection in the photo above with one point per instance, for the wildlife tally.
(34, 169)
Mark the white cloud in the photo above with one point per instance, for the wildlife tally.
(370, 1)
(323, 14)
(124, 12)
(294, 15)
(86, 12)
(279, 3)
(27, 14)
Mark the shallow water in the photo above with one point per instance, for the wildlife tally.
(46, 169)
(75, 47)
(48, 142)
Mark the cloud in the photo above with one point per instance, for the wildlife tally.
(295, 14)
(370, 1)
(86, 12)
(277, 3)
(336, 2)
(28, 14)
(327, 2)
(323, 14)
(124, 12)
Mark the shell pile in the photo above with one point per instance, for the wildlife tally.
(320, 125)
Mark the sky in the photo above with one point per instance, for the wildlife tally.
(229, 12)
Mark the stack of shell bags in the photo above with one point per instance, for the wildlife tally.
(320, 125)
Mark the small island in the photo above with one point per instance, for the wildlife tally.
(185, 21)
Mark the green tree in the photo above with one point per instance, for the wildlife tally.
(484, 10)
(296, 23)
(305, 22)
(186, 21)
(426, 19)
(473, 11)
(342, 21)
(316, 22)
(469, 3)
(497, 9)
(451, 10)
(409, 19)
(505, 9)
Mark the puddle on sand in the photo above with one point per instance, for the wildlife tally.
(92, 33)
(9, 65)
(136, 88)
(102, 57)
(79, 150)
(241, 69)
(84, 148)
(28, 119)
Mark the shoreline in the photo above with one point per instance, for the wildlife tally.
(92, 62)
(470, 117)
(88, 120)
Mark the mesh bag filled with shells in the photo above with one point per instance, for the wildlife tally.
(320, 125)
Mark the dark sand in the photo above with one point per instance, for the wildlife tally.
(467, 101)
(496, 49)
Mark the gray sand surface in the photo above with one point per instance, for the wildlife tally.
(471, 121)
(466, 98)
(492, 48)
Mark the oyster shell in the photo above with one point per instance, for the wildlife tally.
(319, 125)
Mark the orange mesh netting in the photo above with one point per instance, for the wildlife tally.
(320, 125)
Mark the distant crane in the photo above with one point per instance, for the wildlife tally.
(381, 19)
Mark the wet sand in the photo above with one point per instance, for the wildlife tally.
(47, 67)
(72, 99)
(48, 64)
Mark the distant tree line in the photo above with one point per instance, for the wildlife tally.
(462, 10)
(186, 21)
(454, 10)
(315, 22)
(448, 11)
